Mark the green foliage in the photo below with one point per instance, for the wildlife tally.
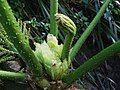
(6, 55)
(53, 11)
(66, 25)
(50, 48)
(116, 10)
(18, 38)
(4, 40)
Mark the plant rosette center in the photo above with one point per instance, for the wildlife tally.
(49, 54)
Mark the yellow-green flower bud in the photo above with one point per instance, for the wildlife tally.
(66, 24)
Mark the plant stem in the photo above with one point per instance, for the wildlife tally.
(53, 11)
(5, 39)
(68, 26)
(12, 75)
(67, 46)
(87, 32)
(92, 63)
(13, 31)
